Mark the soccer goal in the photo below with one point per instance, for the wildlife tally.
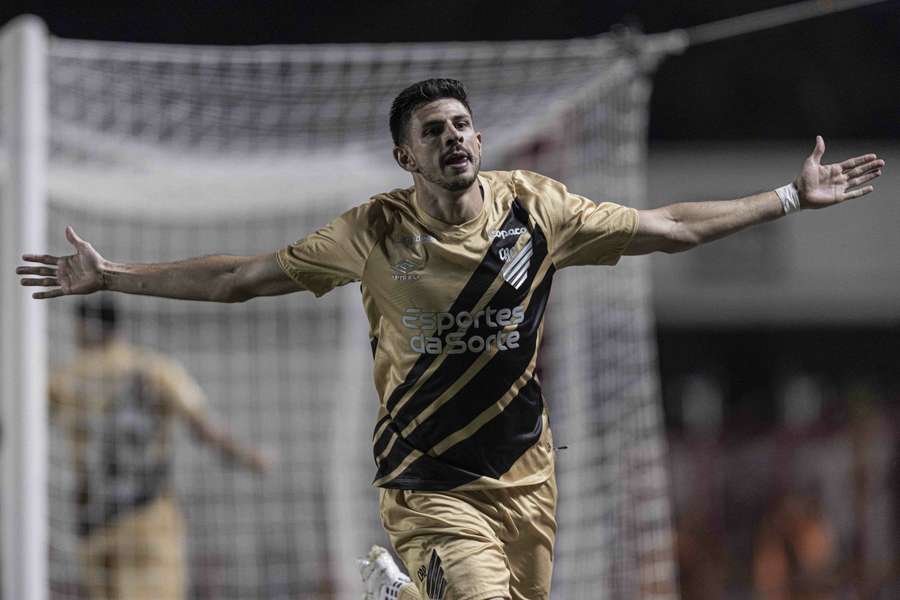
(161, 152)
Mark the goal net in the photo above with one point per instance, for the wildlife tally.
(162, 152)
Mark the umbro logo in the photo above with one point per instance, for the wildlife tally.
(403, 270)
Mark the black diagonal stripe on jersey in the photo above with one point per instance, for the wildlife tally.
(455, 365)
(382, 441)
(482, 391)
(478, 283)
(493, 449)
(381, 421)
(492, 381)
(426, 473)
(496, 446)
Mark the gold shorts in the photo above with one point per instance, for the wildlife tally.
(138, 557)
(475, 545)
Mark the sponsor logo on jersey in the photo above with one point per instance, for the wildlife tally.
(417, 238)
(403, 270)
(429, 327)
(506, 233)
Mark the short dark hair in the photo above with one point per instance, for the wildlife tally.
(421, 93)
(100, 312)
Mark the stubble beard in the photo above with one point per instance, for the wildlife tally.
(459, 183)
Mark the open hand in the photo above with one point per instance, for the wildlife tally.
(821, 185)
(78, 273)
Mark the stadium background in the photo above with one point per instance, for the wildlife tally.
(777, 348)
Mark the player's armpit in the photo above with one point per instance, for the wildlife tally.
(261, 275)
(658, 232)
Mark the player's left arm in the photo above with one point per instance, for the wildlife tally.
(682, 226)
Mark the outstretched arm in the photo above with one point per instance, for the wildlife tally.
(213, 278)
(218, 438)
(682, 226)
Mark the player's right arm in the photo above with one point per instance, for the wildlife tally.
(212, 278)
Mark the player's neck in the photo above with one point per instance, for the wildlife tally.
(453, 208)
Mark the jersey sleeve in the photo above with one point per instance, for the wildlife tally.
(580, 231)
(332, 256)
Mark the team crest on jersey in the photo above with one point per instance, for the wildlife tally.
(515, 271)
(404, 270)
(516, 262)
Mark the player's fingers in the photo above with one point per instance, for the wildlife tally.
(857, 160)
(857, 181)
(857, 193)
(54, 293)
(46, 259)
(866, 166)
(24, 270)
(819, 148)
(73, 237)
(40, 281)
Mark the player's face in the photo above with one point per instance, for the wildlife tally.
(444, 144)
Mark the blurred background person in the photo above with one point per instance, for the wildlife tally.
(117, 403)
(795, 555)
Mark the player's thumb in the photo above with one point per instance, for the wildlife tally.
(819, 149)
(73, 237)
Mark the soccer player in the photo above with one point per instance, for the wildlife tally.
(456, 272)
(117, 404)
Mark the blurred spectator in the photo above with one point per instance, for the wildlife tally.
(701, 558)
(795, 556)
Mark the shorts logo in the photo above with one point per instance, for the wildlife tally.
(421, 573)
(403, 270)
(436, 585)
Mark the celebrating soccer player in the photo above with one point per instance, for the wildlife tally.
(456, 273)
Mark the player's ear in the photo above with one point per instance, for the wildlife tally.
(405, 159)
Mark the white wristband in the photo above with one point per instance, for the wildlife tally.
(790, 199)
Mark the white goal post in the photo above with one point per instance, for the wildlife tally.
(23, 352)
(160, 152)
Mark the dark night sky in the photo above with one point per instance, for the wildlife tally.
(836, 75)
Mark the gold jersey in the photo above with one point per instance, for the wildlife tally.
(456, 317)
(116, 404)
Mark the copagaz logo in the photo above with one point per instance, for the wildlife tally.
(403, 270)
(505, 233)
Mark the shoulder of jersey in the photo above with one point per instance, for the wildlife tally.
(519, 182)
(534, 192)
(398, 198)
